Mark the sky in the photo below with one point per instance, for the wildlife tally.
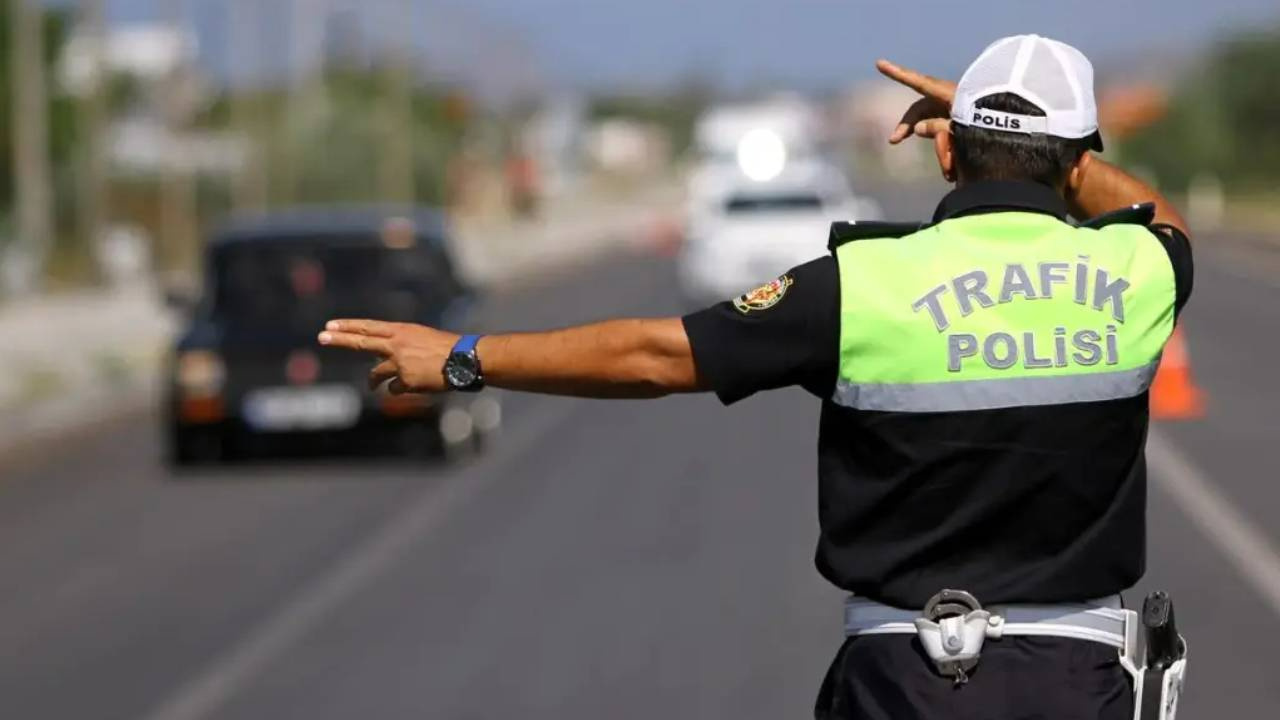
(811, 44)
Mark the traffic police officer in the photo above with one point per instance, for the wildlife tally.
(984, 381)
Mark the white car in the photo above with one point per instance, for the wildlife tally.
(741, 233)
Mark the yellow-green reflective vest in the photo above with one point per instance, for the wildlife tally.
(1001, 310)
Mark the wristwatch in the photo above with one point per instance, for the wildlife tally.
(462, 368)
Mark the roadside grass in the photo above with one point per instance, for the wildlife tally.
(38, 385)
(117, 370)
(111, 368)
(1255, 212)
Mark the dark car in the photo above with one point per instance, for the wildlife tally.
(248, 369)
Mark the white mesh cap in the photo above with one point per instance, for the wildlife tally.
(1051, 75)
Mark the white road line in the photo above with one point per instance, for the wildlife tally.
(204, 694)
(1237, 537)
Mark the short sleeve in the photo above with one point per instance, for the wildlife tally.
(784, 333)
(1178, 246)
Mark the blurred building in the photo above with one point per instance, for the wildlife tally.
(795, 120)
(154, 71)
(554, 139)
(1134, 89)
(147, 52)
(625, 147)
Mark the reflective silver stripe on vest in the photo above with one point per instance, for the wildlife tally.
(960, 395)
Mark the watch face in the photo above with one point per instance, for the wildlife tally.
(462, 370)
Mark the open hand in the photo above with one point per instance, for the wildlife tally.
(413, 356)
(927, 116)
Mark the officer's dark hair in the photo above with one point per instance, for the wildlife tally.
(982, 154)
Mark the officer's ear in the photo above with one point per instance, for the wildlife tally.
(946, 159)
(1075, 178)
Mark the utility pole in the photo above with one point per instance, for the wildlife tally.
(33, 188)
(306, 29)
(91, 185)
(396, 167)
(179, 205)
(245, 41)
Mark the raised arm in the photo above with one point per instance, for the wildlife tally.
(1098, 187)
(612, 359)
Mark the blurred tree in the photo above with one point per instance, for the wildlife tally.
(335, 141)
(1224, 120)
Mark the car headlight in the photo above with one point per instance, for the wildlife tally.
(200, 372)
(762, 155)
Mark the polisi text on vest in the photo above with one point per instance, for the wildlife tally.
(975, 290)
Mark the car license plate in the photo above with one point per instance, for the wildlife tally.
(333, 407)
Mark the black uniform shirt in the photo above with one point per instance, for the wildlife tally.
(1025, 504)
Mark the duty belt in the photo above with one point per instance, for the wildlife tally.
(954, 625)
(1103, 621)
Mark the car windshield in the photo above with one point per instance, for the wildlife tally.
(294, 284)
(781, 203)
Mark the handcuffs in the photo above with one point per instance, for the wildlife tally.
(954, 627)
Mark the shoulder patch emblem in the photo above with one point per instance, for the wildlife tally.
(765, 296)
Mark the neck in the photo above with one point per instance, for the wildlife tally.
(962, 182)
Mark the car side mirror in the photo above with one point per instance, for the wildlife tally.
(180, 291)
(181, 299)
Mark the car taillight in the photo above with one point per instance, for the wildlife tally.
(302, 368)
(200, 373)
(202, 409)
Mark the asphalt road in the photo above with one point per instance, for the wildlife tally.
(611, 560)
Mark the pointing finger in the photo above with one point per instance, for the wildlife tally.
(374, 328)
(924, 84)
(353, 341)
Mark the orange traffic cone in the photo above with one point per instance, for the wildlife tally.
(1174, 395)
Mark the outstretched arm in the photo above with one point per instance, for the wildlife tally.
(611, 359)
(733, 348)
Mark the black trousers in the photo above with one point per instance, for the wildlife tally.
(889, 677)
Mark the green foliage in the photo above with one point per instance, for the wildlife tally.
(1225, 120)
(326, 144)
